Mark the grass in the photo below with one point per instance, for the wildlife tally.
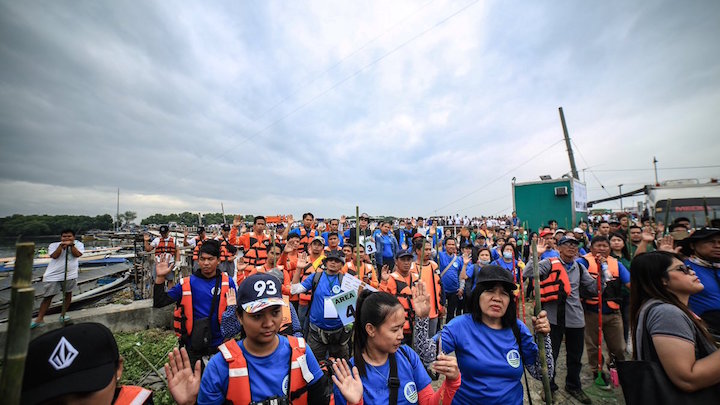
(154, 344)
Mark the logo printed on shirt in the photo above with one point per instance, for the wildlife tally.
(410, 392)
(285, 383)
(455, 264)
(336, 289)
(513, 358)
(63, 355)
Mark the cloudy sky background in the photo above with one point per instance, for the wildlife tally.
(403, 107)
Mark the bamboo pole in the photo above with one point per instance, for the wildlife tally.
(274, 263)
(707, 212)
(357, 240)
(18, 332)
(540, 336)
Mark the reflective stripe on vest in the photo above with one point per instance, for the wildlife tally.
(225, 254)
(165, 246)
(611, 301)
(239, 392)
(185, 309)
(132, 395)
(557, 283)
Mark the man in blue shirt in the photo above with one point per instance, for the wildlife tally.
(198, 319)
(705, 261)
(450, 266)
(334, 226)
(327, 335)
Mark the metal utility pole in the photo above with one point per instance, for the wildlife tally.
(620, 187)
(117, 213)
(655, 161)
(569, 147)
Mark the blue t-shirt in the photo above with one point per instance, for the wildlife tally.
(489, 360)
(623, 275)
(507, 266)
(340, 237)
(202, 294)
(709, 298)
(327, 287)
(470, 272)
(411, 373)
(268, 375)
(451, 279)
(387, 246)
(549, 253)
(494, 255)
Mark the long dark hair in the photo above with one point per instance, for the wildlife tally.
(624, 252)
(372, 308)
(508, 320)
(646, 282)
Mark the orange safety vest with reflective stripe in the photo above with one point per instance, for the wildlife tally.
(399, 287)
(306, 297)
(132, 395)
(432, 284)
(238, 391)
(256, 255)
(612, 301)
(165, 246)
(557, 284)
(196, 251)
(306, 237)
(184, 310)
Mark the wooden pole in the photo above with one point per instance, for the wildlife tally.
(22, 298)
(540, 337)
(357, 240)
(274, 264)
(68, 250)
(707, 212)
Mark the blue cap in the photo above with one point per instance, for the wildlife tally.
(403, 253)
(258, 292)
(569, 238)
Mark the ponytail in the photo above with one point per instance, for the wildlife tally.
(372, 308)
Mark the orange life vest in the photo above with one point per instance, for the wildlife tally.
(165, 246)
(306, 297)
(132, 395)
(225, 254)
(611, 294)
(403, 291)
(557, 284)
(184, 311)
(256, 255)
(431, 279)
(306, 237)
(196, 251)
(238, 391)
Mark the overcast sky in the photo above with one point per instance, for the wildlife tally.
(402, 107)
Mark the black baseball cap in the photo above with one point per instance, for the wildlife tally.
(164, 228)
(403, 253)
(201, 229)
(703, 233)
(258, 292)
(334, 255)
(79, 358)
(570, 238)
(493, 273)
(226, 227)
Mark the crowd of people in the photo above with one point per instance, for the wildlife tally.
(256, 323)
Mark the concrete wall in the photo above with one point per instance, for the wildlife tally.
(139, 315)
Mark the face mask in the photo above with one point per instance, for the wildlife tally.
(507, 255)
(484, 262)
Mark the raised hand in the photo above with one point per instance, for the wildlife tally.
(421, 300)
(541, 323)
(541, 246)
(302, 261)
(231, 297)
(343, 219)
(183, 381)
(162, 267)
(648, 236)
(347, 381)
(385, 272)
(466, 258)
(447, 366)
(186, 233)
(667, 243)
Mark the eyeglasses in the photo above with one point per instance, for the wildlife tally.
(685, 269)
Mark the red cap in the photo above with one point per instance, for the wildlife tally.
(545, 233)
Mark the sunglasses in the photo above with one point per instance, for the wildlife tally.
(685, 269)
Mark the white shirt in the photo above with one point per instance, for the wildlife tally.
(156, 242)
(55, 270)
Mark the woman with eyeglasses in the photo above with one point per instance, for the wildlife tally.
(660, 286)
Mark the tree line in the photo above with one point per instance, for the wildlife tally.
(38, 225)
(190, 219)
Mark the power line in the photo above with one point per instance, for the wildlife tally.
(501, 176)
(356, 73)
(660, 168)
(591, 172)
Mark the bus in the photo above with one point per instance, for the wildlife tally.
(684, 198)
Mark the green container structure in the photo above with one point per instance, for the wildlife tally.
(537, 202)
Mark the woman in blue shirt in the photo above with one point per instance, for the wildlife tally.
(490, 344)
(384, 371)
